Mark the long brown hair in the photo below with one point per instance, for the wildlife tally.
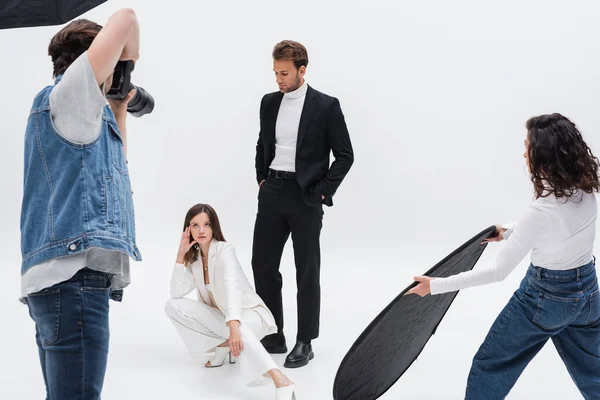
(559, 159)
(70, 42)
(192, 255)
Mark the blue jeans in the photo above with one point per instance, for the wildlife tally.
(560, 305)
(71, 324)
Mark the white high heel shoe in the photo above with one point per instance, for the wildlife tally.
(221, 354)
(286, 393)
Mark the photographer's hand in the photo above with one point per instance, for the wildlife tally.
(119, 108)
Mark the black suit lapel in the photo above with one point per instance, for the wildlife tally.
(310, 104)
(272, 117)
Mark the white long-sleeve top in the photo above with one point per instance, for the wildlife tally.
(560, 234)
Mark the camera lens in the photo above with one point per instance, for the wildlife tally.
(142, 102)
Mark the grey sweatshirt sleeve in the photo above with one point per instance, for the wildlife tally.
(77, 103)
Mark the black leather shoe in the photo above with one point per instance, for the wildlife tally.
(300, 355)
(275, 343)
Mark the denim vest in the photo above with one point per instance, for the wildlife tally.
(74, 196)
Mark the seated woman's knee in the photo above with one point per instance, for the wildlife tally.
(170, 308)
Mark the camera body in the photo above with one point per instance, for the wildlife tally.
(142, 102)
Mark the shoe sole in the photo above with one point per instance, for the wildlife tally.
(217, 366)
(231, 361)
(301, 363)
(276, 350)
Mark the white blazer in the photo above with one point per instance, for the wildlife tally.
(230, 287)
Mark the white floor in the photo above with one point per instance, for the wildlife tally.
(148, 361)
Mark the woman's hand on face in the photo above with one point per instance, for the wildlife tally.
(235, 338)
(498, 238)
(184, 245)
(423, 287)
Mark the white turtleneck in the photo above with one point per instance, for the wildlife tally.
(286, 129)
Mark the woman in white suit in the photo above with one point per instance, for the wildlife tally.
(228, 313)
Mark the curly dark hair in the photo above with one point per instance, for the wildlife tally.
(559, 159)
(70, 42)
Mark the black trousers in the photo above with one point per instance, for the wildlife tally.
(282, 211)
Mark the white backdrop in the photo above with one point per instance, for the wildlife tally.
(435, 94)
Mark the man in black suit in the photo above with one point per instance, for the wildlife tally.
(299, 128)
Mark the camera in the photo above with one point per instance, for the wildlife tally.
(142, 102)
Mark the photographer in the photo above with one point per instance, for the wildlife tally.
(77, 221)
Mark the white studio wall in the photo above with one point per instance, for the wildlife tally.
(435, 95)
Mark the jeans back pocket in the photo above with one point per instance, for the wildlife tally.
(44, 309)
(593, 308)
(555, 312)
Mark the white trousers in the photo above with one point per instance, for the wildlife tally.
(202, 327)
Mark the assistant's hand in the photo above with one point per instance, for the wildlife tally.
(498, 238)
(235, 338)
(119, 107)
(184, 245)
(423, 288)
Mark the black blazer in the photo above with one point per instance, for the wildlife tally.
(322, 130)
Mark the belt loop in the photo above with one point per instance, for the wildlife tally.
(578, 274)
(538, 271)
